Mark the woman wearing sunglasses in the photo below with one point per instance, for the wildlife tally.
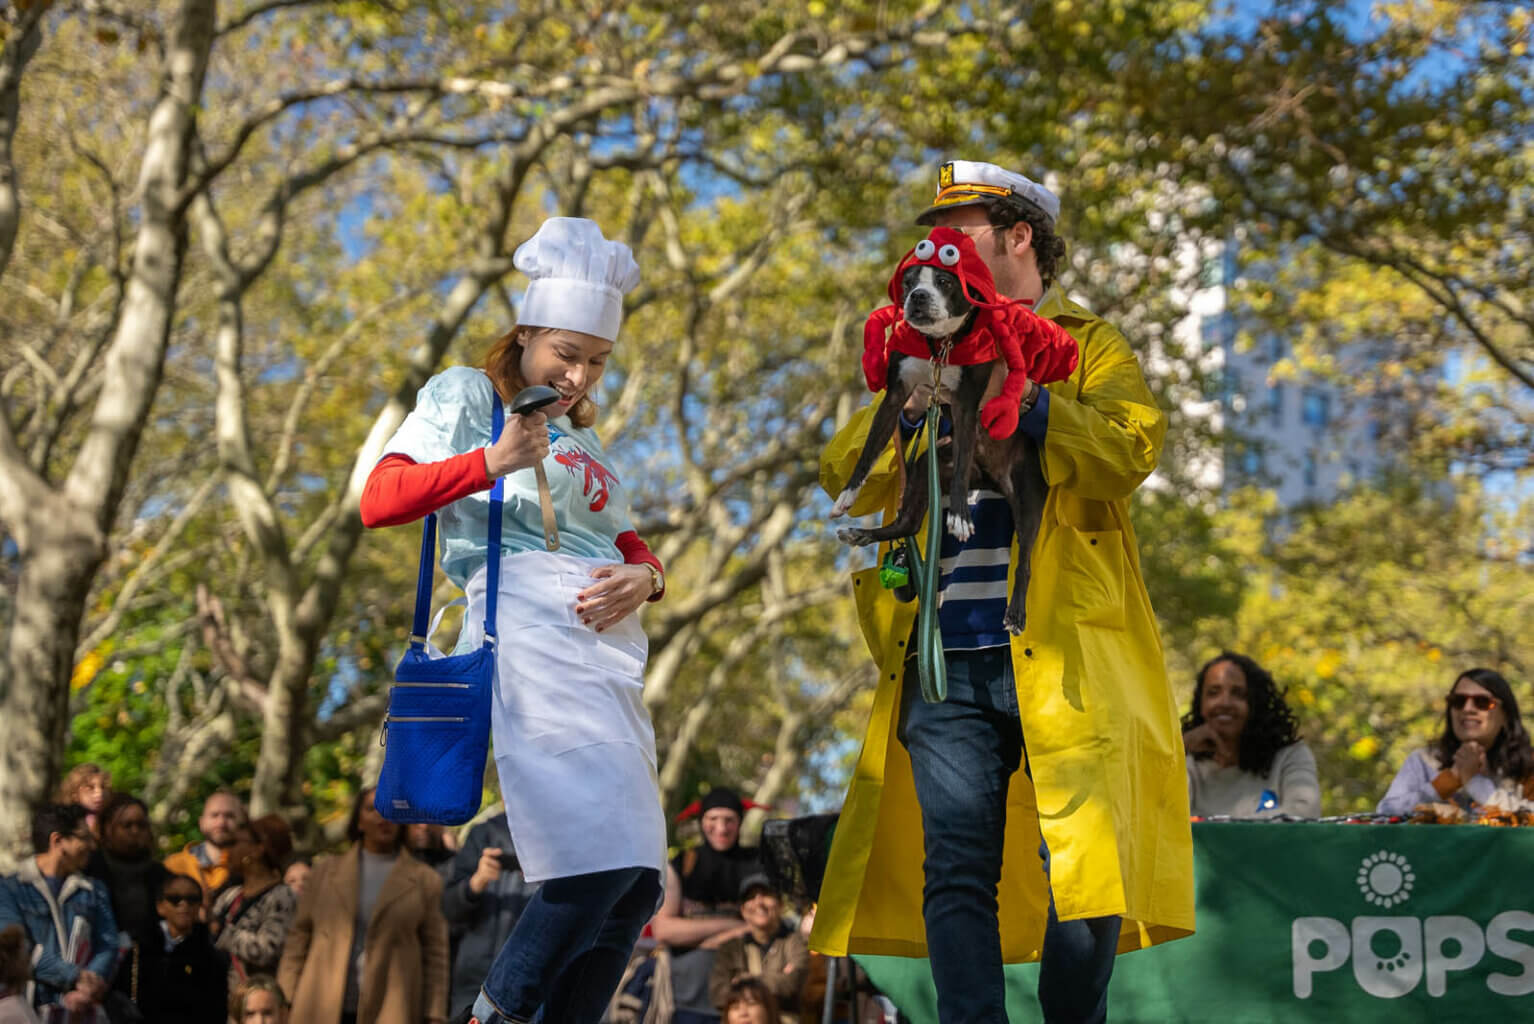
(1483, 756)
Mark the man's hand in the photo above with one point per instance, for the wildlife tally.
(486, 871)
(916, 406)
(93, 985)
(1469, 761)
(76, 1001)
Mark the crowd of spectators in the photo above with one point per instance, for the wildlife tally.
(401, 926)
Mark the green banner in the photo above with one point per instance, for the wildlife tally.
(1312, 922)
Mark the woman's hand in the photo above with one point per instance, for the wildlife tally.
(1469, 761)
(524, 442)
(1199, 739)
(619, 590)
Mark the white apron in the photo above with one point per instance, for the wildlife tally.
(574, 746)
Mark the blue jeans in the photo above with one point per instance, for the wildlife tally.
(963, 754)
(567, 953)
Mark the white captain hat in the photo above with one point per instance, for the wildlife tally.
(577, 278)
(970, 182)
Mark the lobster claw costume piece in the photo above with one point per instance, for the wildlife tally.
(1033, 348)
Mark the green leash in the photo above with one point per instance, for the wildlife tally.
(930, 666)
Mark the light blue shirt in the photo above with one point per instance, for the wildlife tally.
(452, 416)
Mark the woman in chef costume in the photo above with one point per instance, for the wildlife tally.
(573, 742)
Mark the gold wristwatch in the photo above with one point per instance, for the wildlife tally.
(657, 580)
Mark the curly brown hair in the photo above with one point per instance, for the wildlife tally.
(69, 789)
(1270, 724)
(503, 365)
(1048, 247)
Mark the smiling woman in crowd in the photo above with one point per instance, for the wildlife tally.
(1482, 757)
(1245, 757)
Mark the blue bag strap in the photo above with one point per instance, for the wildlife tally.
(493, 542)
(418, 628)
(423, 583)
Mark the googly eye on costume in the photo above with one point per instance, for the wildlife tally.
(924, 249)
(948, 255)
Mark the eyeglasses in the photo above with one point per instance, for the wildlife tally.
(1482, 702)
(195, 899)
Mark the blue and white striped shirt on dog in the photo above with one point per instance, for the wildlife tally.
(972, 584)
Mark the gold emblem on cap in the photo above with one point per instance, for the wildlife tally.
(945, 176)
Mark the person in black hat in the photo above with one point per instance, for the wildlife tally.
(770, 951)
(701, 910)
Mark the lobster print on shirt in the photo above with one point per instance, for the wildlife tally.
(597, 480)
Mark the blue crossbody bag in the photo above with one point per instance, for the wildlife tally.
(437, 730)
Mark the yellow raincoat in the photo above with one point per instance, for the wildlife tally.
(1109, 787)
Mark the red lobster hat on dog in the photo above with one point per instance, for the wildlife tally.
(955, 252)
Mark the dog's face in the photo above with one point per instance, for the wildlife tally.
(933, 300)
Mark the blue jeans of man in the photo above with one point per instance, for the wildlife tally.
(567, 953)
(964, 751)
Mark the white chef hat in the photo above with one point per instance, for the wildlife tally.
(969, 182)
(578, 278)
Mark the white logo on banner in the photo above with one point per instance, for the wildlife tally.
(1385, 879)
(1391, 956)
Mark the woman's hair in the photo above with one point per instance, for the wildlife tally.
(115, 805)
(1270, 725)
(1510, 756)
(254, 983)
(69, 789)
(1048, 247)
(354, 823)
(274, 837)
(503, 365)
(750, 990)
(15, 961)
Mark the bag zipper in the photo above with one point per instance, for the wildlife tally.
(455, 719)
(435, 686)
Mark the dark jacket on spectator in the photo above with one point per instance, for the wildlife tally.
(188, 984)
(783, 969)
(481, 924)
(133, 886)
(26, 899)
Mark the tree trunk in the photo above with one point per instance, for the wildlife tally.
(50, 603)
(61, 532)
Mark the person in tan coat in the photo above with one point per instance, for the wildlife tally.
(369, 944)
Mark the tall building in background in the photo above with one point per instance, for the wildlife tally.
(1304, 436)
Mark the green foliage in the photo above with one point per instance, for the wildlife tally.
(1379, 210)
(1369, 608)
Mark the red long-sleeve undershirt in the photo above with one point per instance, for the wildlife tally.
(400, 490)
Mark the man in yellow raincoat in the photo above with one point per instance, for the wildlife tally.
(1087, 851)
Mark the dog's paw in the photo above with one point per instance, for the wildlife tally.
(960, 526)
(1015, 620)
(854, 537)
(844, 502)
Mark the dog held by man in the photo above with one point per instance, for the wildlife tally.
(1048, 788)
(950, 325)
